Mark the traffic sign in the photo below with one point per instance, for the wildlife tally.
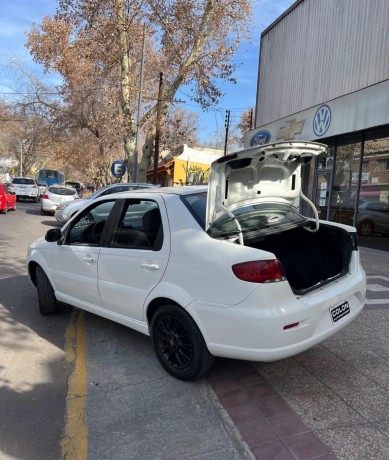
(118, 168)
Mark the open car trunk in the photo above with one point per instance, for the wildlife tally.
(310, 260)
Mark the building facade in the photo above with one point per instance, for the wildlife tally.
(184, 166)
(324, 76)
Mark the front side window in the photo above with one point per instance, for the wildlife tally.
(87, 229)
(140, 226)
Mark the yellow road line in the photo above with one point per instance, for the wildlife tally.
(74, 443)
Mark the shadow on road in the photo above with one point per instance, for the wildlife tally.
(36, 391)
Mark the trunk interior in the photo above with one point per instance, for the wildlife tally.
(310, 260)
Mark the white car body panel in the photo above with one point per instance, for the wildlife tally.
(75, 274)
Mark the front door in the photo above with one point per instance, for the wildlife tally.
(75, 262)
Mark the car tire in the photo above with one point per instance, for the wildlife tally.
(5, 210)
(48, 304)
(366, 228)
(179, 344)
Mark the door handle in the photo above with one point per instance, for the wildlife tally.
(150, 266)
(89, 259)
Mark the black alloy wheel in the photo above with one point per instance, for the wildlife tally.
(178, 343)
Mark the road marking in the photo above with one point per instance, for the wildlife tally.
(376, 301)
(376, 288)
(377, 276)
(74, 443)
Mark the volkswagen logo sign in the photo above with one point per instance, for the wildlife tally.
(260, 138)
(322, 120)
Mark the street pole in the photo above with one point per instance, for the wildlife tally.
(136, 149)
(158, 128)
(226, 124)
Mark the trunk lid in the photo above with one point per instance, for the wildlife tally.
(267, 173)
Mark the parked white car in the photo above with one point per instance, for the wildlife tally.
(231, 270)
(25, 188)
(55, 195)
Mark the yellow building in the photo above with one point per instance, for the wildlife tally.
(184, 166)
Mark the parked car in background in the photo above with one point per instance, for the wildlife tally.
(373, 217)
(78, 186)
(66, 210)
(25, 188)
(7, 198)
(42, 187)
(231, 270)
(55, 195)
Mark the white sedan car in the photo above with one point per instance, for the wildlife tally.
(232, 269)
(55, 195)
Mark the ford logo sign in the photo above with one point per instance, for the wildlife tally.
(260, 138)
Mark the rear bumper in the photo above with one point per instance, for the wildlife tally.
(254, 330)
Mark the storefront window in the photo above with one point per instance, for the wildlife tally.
(373, 208)
(324, 168)
(345, 183)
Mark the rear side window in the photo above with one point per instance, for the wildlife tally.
(197, 205)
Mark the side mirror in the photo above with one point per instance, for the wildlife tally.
(54, 234)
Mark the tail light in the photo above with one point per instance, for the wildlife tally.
(45, 196)
(259, 271)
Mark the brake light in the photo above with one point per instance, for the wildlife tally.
(259, 271)
(45, 196)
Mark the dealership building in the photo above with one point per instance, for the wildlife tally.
(324, 76)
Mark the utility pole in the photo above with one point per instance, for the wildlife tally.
(136, 149)
(226, 124)
(251, 118)
(158, 128)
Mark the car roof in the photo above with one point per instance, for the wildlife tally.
(179, 190)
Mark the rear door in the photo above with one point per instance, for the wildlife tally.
(134, 260)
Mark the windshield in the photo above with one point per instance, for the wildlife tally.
(260, 218)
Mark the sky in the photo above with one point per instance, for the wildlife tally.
(17, 16)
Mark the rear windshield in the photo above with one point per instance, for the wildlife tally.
(23, 180)
(62, 191)
(257, 219)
